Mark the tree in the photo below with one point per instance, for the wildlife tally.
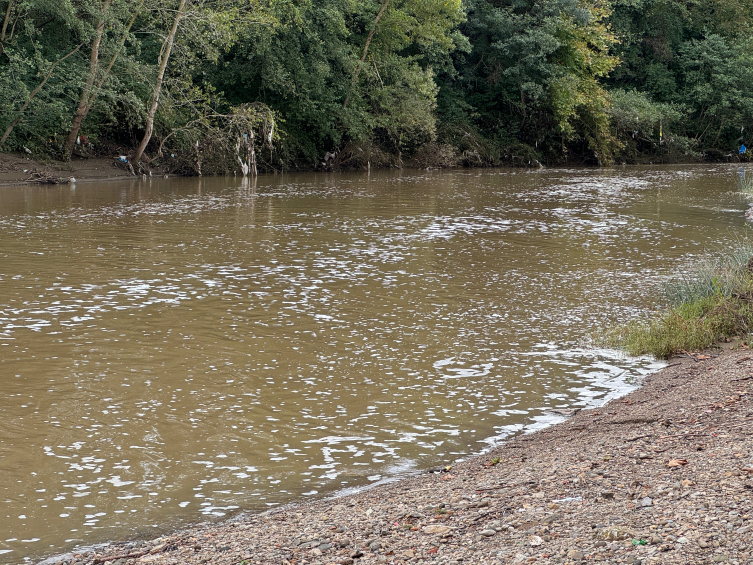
(167, 48)
(715, 86)
(534, 75)
(96, 78)
(202, 29)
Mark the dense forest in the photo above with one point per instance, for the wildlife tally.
(216, 86)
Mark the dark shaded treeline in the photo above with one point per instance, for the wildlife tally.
(216, 85)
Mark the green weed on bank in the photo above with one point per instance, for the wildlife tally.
(711, 303)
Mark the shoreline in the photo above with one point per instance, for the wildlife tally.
(660, 475)
(16, 170)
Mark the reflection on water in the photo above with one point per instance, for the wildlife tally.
(176, 350)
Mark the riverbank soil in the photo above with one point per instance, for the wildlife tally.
(16, 169)
(663, 475)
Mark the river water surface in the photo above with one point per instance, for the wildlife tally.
(175, 351)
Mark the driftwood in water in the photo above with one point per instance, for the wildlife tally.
(47, 178)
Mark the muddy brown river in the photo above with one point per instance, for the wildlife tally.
(174, 351)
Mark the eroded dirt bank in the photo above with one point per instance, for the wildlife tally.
(660, 476)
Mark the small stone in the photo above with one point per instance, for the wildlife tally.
(356, 554)
(613, 534)
(607, 495)
(535, 541)
(316, 551)
(720, 558)
(552, 518)
(575, 555)
(437, 529)
(408, 554)
(682, 540)
(487, 533)
(647, 502)
(375, 546)
(600, 544)
(666, 547)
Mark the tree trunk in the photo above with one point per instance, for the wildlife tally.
(167, 48)
(83, 103)
(34, 92)
(5, 22)
(366, 50)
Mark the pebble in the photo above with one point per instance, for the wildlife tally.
(435, 529)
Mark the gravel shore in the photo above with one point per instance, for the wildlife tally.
(662, 475)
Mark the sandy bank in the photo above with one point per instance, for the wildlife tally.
(659, 476)
(15, 170)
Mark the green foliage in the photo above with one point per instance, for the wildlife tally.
(534, 74)
(586, 81)
(694, 57)
(634, 113)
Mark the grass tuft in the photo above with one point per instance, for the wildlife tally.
(712, 303)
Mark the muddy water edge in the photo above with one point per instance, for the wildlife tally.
(176, 351)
